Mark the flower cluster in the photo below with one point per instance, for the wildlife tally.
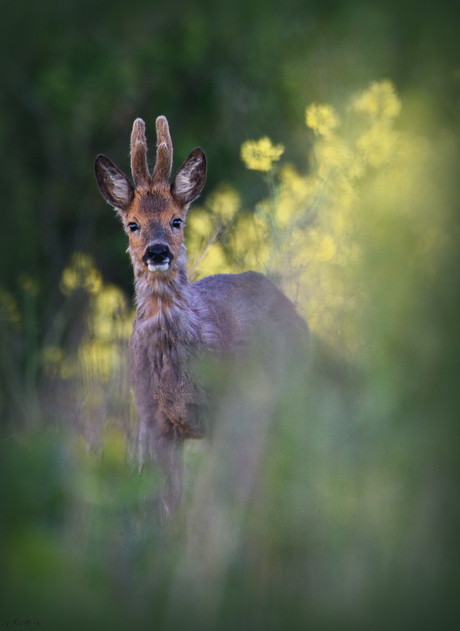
(305, 233)
(322, 119)
(259, 155)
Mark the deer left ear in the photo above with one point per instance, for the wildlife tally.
(113, 184)
(190, 178)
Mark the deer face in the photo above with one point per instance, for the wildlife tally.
(153, 212)
(154, 225)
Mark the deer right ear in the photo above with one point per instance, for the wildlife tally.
(190, 178)
(114, 186)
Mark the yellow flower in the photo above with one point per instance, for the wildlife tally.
(380, 100)
(295, 193)
(299, 187)
(81, 274)
(378, 144)
(109, 317)
(213, 262)
(199, 225)
(321, 118)
(259, 155)
(200, 228)
(325, 249)
(332, 155)
(249, 243)
(224, 203)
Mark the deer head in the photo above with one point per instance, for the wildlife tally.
(153, 212)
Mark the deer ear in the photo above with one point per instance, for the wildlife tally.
(114, 186)
(190, 178)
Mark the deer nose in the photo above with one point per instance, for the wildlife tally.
(158, 254)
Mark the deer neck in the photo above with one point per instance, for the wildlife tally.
(164, 302)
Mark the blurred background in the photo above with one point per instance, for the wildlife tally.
(332, 134)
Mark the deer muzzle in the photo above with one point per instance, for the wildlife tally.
(158, 257)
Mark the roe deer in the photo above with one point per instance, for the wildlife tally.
(221, 316)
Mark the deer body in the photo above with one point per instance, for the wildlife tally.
(179, 323)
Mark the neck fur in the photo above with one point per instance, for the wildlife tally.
(164, 301)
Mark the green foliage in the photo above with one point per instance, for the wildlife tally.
(332, 505)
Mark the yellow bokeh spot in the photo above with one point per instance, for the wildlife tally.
(108, 326)
(259, 155)
(300, 187)
(28, 284)
(379, 100)
(224, 204)
(378, 144)
(213, 262)
(8, 307)
(334, 154)
(285, 211)
(321, 118)
(326, 249)
(81, 274)
(250, 244)
(295, 193)
(115, 447)
(200, 228)
(107, 320)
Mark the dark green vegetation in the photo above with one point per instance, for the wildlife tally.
(351, 520)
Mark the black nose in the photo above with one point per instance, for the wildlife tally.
(158, 254)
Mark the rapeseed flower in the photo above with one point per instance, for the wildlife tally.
(321, 118)
(259, 155)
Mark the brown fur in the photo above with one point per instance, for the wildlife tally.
(177, 323)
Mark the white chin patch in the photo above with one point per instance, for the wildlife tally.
(158, 268)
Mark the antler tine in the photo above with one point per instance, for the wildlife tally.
(139, 167)
(164, 153)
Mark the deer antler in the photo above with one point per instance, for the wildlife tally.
(139, 167)
(164, 153)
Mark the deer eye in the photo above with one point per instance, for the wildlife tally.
(133, 226)
(176, 223)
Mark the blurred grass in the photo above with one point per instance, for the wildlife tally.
(348, 522)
